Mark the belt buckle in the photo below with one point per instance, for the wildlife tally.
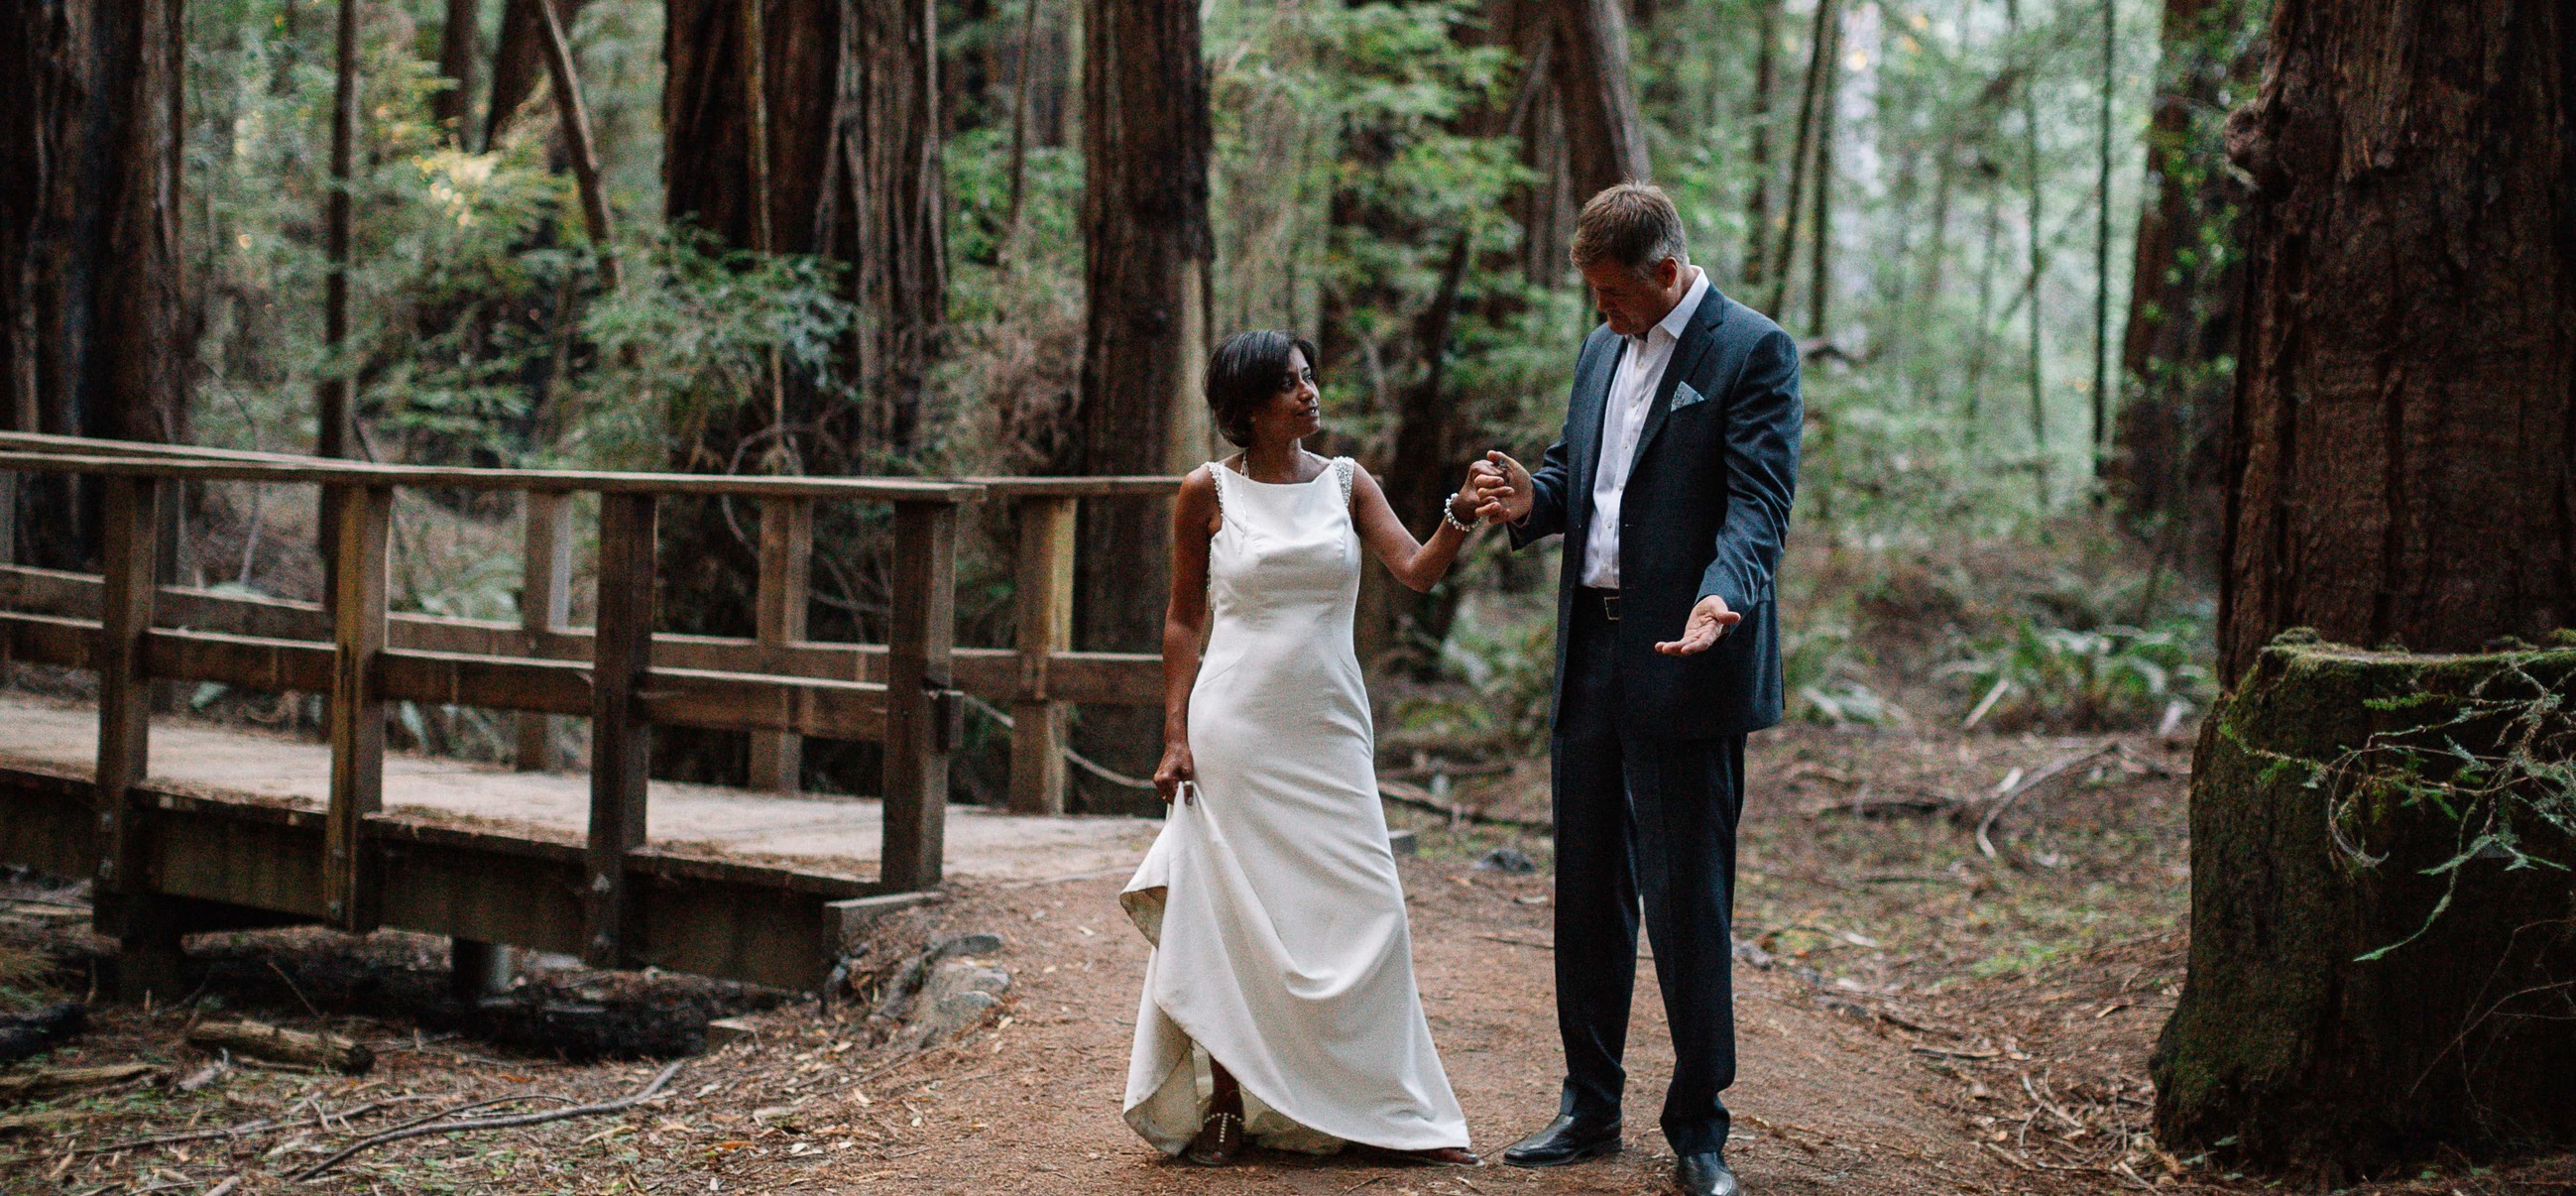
(1610, 605)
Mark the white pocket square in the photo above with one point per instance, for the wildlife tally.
(1684, 396)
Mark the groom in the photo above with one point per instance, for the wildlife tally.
(1672, 483)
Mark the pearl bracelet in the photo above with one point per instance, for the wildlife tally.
(1449, 515)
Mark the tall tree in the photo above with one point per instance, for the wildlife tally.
(1757, 201)
(835, 153)
(1147, 245)
(2186, 287)
(519, 60)
(93, 324)
(2403, 465)
(1605, 138)
(460, 46)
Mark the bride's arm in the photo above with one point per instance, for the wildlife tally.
(1194, 516)
(1416, 564)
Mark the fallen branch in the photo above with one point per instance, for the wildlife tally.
(621, 1104)
(259, 1040)
(56, 1081)
(2042, 777)
(1419, 798)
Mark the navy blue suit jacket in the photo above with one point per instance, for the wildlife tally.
(1705, 512)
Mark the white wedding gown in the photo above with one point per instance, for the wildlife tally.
(1281, 949)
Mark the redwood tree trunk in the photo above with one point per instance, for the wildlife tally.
(2186, 290)
(93, 325)
(2404, 458)
(1140, 408)
(519, 60)
(460, 45)
(848, 169)
(1604, 135)
(1146, 237)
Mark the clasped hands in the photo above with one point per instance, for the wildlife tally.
(1504, 486)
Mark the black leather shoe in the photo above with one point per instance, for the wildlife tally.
(1565, 1140)
(1705, 1175)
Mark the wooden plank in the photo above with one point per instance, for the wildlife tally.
(49, 639)
(543, 687)
(252, 662)
(545, 606)
(994, 674)
(1114, 486)
(1044, 582)
(121, 463)
(124, 688)
(850, 710)
(620, 740)
(921, 630)
(786, 566)
(357, 718)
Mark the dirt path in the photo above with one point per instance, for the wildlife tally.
(1933, 1019)
(1824, 1104)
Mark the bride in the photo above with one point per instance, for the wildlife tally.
(1279, 1001)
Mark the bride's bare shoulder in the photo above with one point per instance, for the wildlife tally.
(1199, 501)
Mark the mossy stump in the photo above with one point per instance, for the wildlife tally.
(2287, 1047)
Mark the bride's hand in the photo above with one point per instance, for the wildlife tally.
(1176, 768)
(1487, 491)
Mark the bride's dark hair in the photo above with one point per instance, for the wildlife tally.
(1247, 370)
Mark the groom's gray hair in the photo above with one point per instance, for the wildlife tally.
(1633, 225)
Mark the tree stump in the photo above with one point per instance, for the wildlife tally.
(2331, 818)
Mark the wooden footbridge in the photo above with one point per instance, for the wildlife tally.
(170, 859)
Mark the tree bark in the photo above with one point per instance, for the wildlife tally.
(2301, 1043)
(93, 325)
(2403, 466)
(838, 158)
(2186, 291)
(519, 61)
(1757, 204)
(460, 45)
(1820, 283)
(1605, 138)
(1147, 247)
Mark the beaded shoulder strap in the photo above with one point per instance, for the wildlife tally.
(1343, 468)
(1216, 477)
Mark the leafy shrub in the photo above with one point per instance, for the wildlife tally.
(2089, 680)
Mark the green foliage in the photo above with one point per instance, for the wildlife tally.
(690, 339)
(2097, 679)
(2497, 763)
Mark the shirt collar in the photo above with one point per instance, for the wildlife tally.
(1676, 321)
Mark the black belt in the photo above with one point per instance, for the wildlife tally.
(1606, 600)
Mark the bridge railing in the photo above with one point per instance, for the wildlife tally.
(167, 861)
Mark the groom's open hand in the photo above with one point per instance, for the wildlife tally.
(1708, 621)
(1508, 493)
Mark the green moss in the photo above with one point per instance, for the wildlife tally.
(2284, 1039)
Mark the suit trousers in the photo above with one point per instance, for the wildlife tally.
(1642, 820)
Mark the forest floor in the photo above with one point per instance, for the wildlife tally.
(1915, 1015)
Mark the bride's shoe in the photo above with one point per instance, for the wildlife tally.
(1220, 1140)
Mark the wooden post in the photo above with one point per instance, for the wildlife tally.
(357, 714)
(920, 706)
(1045, 582)
(148, 953)
(786, 565)
(124, 693)
(545, 606)
(619, 739)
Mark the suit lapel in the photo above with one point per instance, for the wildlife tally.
(1695, 342)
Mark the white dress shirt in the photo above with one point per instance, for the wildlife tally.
(1632, 392)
